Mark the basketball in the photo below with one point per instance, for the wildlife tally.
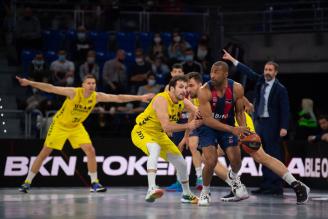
(250, 143)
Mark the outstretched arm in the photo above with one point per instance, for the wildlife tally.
(251, 74)
(121, 98)
(49, 88)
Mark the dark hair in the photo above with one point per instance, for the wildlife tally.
(196, 76)
(221, 64)
(150, 74)
(87, 76)
(174, 80)
(323, 116)
(177, 65)
(276, 66)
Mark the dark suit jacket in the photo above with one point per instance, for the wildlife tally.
(278, 103)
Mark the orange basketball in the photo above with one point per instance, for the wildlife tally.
(250, 143)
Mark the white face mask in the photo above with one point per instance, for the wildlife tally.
(177, 39)
(139, 60)
(69, 80)
(91, 60)
(157, 39)
(201, 53)
(151, 82)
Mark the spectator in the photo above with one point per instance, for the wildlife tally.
(62, 70)
(81, 45)
(323, 136)
(89, 66)
(271, 118)
(161, 70)
(115, 74)
(39, 70)
(28, 32)
(203, 53)
(307, 122)
(190, 65)
(157, 48)
(139, 71)
(177, 48)
(176, 71)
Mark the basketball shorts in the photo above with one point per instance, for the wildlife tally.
(58, 134)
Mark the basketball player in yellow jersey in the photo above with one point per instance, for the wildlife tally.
(260, 156)
(67, 123)
(149, 134)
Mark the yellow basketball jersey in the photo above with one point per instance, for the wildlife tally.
(195, 101)
(75, 111)
(148, 120)
(249, 122)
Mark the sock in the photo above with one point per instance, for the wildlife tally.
(228, 180)
(206, 189)
(30, 177)
(289, 178)
(93, 176)
(198, 171)
(151, 180)
(185, 188)
(232, 175)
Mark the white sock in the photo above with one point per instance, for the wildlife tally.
(232, 175)
(181, 166)
(185, 188)
(289, 178)
(151, 180)
(198, 171)
(30, 177)
(228, 180)
(93, 176)
(206, 189)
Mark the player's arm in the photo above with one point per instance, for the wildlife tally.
(249, 107)
(121, 98)
(206, 111)
(239, 104)
(160, 107)
(49, 88)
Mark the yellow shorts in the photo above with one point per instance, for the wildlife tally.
(140, 138)
(58, 134)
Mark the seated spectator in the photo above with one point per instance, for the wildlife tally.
(115, 77)
(62, 70)
(176, 71)
(89, 66)
(323, 136)
(139, 71)
(307, 122)
(161, 70)
(177, 48)
(39, 70)
(203, 53)
(81, 45)
(190, 65)
(157, 48)
(28, 32)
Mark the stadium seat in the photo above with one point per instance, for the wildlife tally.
(166, 38)
(50, 56)
(53, 40)
(99, 40)
(145, 40)
(192, 38)
(27, 57)
(126, 41)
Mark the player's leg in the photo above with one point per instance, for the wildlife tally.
(197, 160)
(302, 191)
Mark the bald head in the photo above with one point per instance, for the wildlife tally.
(222, 65)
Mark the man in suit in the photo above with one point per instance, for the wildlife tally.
(271, 117)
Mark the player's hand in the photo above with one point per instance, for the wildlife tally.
(198, 115)
(182, 144)
(324, 137)
(240, 131)
(23, 81)
(311, 138)
(249, 108)
(283, 132)
(147, 97)
(227, 56)
(195, 123)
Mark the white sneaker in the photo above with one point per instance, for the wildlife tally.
(154, 194)
(239, 189)
(232, 198)
(204, 199)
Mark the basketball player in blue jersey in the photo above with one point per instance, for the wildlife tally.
(221, 99)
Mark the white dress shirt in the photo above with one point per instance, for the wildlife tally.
(266, 97)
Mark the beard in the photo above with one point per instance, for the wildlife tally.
(268, 77)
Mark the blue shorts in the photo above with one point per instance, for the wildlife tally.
(194, 133)
(212, 137)
(177, 137)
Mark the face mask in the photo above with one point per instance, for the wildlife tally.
(34, 90)
(38, 62)
(157, 39)
(139, 60)
(62, 58)
(151, 82)
(91, 60)
(69, 80)
(201, 53)
(177, 39)
(81, 36)
(189, 58)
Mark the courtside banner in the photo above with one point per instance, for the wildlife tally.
(122, 164)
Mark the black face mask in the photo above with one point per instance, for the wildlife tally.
(121, 60)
